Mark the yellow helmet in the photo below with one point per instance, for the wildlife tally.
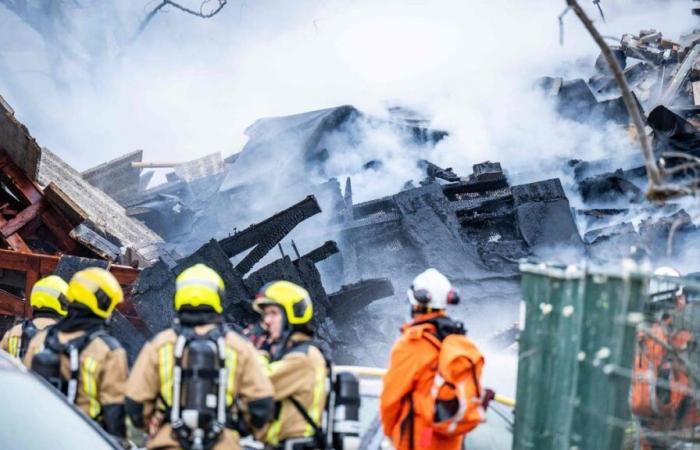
(97, 289)
(50, 293)
(199, 286)
(293, 299)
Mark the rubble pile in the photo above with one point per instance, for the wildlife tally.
(272, 211)
(658, 71)
(665, 78)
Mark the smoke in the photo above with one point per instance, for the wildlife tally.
(185, 87)
(90, 89)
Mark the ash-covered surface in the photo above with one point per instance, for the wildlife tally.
(473, 228)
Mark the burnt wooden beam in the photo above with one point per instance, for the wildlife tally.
(328, 249)
(60, 229)
(265, 235)
(28, 190)
(23, 218)
(46, 264)
(14, 241)
(11, 305)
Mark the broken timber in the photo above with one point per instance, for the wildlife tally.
(264, 236)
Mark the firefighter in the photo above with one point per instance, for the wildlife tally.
(48, 302)
(431, 398)
(78, 355)
(660, 385)
(296, 366)
(187, 381)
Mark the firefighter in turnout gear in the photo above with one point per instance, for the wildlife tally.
(188, 381)
(78, 355)
(296, 366)
(432, 394)
(48, 302)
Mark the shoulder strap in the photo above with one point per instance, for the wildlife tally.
(29, 330)
(79, 343)
(318, 433)
(432, 338)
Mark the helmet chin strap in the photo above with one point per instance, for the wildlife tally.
(420, 309)
(285, 334)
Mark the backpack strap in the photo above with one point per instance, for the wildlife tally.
(318, 433)
(29, 330)
(72, 350)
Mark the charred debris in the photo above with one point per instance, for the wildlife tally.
(664, 76)
(272, 212)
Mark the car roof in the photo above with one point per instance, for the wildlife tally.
(12, 364)
(7, 362)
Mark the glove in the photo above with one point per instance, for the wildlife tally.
(489, 395)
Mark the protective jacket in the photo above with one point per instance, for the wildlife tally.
(102, 374)
(16, 339)
(298, 375)
(407, 390)
(150, 387)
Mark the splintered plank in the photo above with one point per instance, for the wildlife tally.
(23, 218)
(65, 205)
(14, 241)
(25, 187)
(60, 229)
(11, 305)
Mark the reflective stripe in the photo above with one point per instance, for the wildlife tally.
(231, 364)
(90, 386)
(319, 386)
(48, 290)
(213, 285)
(265, 363)
(165, 365)
(273, 433)
(13, 346)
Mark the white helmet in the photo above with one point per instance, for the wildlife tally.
(659, 286)
(433, 290)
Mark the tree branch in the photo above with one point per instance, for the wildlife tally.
(653, 172)
(204, 15)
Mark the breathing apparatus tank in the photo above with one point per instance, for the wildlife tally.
(346, 411)
(198, 415)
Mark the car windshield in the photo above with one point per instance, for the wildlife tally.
(32, 417)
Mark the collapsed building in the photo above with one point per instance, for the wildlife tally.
(306, 226)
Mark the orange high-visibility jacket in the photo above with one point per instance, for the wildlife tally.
(406, 392)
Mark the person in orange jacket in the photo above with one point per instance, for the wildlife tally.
(409, 406)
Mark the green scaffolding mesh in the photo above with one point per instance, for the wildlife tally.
(576, 350)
